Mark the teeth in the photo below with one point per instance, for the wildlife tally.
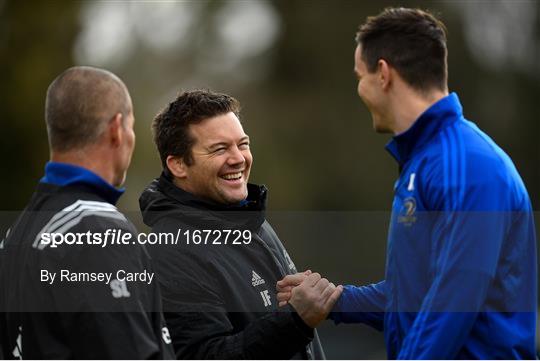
(232, 176)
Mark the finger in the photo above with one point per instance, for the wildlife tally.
(321, 285)
(283, 296)
(312, 279)
(282, 303)
(332, 299)
(284, 289)
(327, 292)
(291, 280)
(307, 272)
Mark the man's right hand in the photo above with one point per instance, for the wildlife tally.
(285, 286)
(313, 298)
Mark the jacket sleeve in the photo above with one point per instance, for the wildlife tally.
(202, 327)
(119, 315)
(364, 304)
(211, 335)
(467, 237)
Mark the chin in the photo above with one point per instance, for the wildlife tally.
(236, 198)
(380, 128)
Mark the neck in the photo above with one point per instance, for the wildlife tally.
(97, 163)
(176, 182)
(179, 184)
(409, 105)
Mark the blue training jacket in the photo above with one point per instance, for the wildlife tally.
(460, 279)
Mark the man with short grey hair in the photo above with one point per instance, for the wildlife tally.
(73, 300)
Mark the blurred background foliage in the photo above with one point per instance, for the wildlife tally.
(289, 62)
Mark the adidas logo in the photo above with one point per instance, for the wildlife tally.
(256, 280)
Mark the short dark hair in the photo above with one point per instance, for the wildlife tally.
(79, 103)
(171, 125)
(410, 40)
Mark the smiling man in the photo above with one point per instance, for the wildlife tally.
(216, 175)
(218, 280)
(460, 279)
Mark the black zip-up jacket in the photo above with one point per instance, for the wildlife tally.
(76, 320)
(219, 299)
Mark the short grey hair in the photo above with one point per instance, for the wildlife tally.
(79, 104)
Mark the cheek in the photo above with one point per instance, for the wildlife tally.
(130, 143)
(363, 93)
(248, 157)
(364, 89)
(211, 168)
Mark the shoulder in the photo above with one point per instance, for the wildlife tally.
(83, 216)
(89, 232)
(465, 164)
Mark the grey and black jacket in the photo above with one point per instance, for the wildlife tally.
(76, 320)
(219, 299)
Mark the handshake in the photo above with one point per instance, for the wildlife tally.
(312, 296)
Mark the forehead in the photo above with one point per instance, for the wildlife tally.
(221, 128)
(359, 65)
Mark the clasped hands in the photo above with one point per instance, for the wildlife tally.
(312, 296)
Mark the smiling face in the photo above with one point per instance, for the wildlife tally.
(371, 92)
(221, 160)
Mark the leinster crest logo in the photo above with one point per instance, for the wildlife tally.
(407, 213)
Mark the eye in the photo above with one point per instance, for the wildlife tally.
(219, 150)
(243, 145)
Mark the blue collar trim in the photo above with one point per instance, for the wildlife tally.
(446, 111)
(63, 174)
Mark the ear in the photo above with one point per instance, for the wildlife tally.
(385, 75)
(114, 129)
(177, 166)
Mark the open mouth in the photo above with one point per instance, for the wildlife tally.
(232, 176)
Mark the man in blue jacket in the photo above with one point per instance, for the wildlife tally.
(460, 278)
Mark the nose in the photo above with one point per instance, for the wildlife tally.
(236, 157)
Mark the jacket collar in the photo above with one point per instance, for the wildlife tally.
(255, 201)
(446, 111)
(163, 199)
(64, 174)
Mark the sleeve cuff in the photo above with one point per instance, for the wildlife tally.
(297, 321)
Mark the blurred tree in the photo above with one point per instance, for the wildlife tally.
(35, 46)
(312, 137)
